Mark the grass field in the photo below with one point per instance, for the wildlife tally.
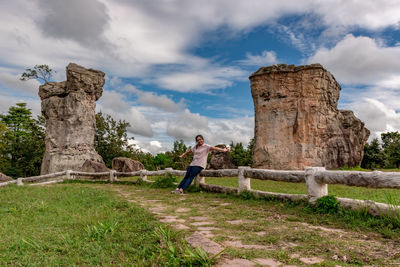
(69, 225)
(92, 224)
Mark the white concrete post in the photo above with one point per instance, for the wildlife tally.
(199, 179)
(243, 182)
(20, 182)
(143, 175)
(68, 174)
(168, 170)
(112, 176)
(315, 190)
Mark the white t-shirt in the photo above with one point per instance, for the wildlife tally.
(200, 155)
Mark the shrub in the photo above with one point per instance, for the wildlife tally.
(327, 204)
(167, 181)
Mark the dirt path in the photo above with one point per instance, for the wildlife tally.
(258, 233)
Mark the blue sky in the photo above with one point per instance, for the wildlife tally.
(176, 68)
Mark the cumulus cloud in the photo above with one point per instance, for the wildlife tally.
(113, 103)
(161, 102)
(12, 82)
(6, 101)
(266, 58)
(82, 21)
(187, 125)
(201, 80)
(361, 60)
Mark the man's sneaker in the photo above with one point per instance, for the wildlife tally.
(176, 191)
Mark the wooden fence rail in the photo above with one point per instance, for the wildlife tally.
(316, 179)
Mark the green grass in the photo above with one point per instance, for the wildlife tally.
(72, 224)
(390, 196)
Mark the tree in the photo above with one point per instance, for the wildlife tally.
(374, 157)
(173, 155)
(40, 72)
(241, 156)
(23, 142)
(111, 139)
(391, 148)
(162, 161)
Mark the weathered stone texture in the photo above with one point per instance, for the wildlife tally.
(220, 160)
(69, 109)
(297, 122)
(122, 164)
(5, 178)
(94, 166)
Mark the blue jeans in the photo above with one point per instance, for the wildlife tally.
(191, 172)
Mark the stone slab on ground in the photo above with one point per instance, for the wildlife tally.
(237, 263)
(199, 218)
(182, 210)
(267, 262)
(180, 226)
(198, 240)
(238, 221)
(201, 223)
(238, 244)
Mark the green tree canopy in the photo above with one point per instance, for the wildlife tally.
(111, 139)
(391, 148)
(22, 146)
(241, 156)
(374, 158)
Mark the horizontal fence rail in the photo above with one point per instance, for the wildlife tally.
(316, 179)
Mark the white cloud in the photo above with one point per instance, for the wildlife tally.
(266, 58)
(201, 80)
(361, 60)
(161, 102)
(12, 82)
(6, 101)
(155, 143)
(114, 104)
(215, 131)
(186, 125)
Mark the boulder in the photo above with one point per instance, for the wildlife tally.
(297, 122)
(122, 164)
(94, 166)
(4, 178)
(220, 160)
(69, 110)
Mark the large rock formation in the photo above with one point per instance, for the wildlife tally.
(220, 160)
(69, 109)
(297, 122)
(4, 178)
(122, 164)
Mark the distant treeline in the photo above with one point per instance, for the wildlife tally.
(22, 146)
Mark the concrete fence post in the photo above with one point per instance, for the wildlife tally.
(20, 182)
(199, 179)
(168, 170)
(243, 182)
(68, 174)
(315, 190)
(112, 176)
(143, 175)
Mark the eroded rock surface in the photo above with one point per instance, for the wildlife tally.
(5, 178)
(297, 122)
(69, 109)
(122, 164)
(220, 160)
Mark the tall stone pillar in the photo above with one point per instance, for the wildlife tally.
(297, 122)
(69, 109)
